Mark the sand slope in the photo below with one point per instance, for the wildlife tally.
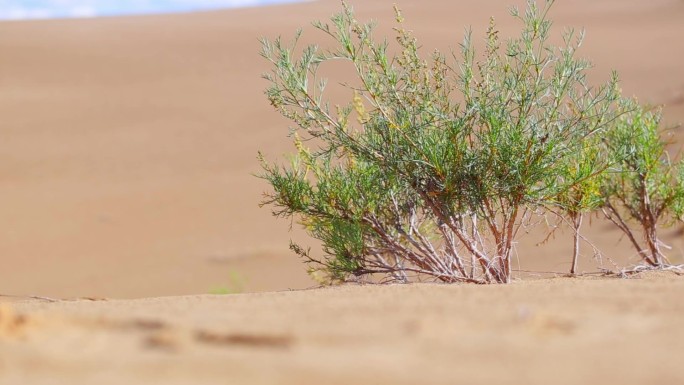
(562, 331)
(127, 144)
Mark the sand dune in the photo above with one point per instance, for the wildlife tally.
(128, 143)
(126, 152)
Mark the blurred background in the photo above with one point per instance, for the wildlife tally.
(128, 144)
(45, 9)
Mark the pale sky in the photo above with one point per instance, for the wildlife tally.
(42, 9)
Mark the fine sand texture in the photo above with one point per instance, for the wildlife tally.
(555, 331)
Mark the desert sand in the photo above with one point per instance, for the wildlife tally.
(127, 148)
(561, 331)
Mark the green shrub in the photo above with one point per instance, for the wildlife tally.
(585, 174)
(435, 166)
(646, 190)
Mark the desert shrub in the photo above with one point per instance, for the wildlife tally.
(585, 174)
(435, 165)
(646, 191)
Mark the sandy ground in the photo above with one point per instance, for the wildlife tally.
(561, 331)
(126, 152)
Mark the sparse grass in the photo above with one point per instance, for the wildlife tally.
(235, 285)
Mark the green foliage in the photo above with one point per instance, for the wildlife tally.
(647, 188)
(584, 174)
(435, 164)
(236, 285)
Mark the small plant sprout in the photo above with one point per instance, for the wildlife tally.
(435, 164)
(647, 189)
